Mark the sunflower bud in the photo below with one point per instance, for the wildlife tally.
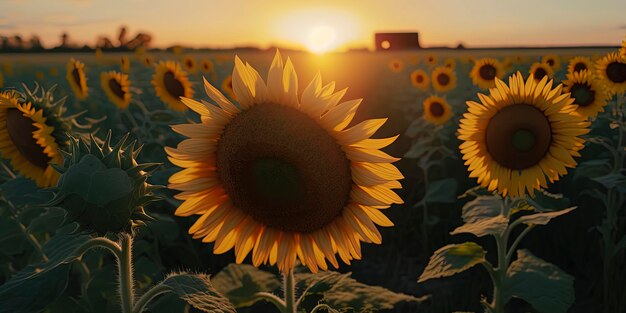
(102, 187)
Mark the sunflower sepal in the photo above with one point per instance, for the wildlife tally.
(103, 188)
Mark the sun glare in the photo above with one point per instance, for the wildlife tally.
(321, 39)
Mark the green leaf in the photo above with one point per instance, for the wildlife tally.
(546, 287)
(49, 221)
(163, 116)
(12, 237)
(17, 191)
(481, 208)
(545, 201)
(592, 169)
(35, 286)
(197, 291)
(441, 191)
(612, 180)
(453, 259)
(349, 295)
(486, 226)
(239, 282)
(544, 217)
(321, 282)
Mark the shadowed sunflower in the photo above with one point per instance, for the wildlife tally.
(578, 64)
(450, 63)
(485, 71)
(206, 66)
(611, 70)
(29, 138)
(588, 93)
(189, 64)
(76, 78)
(553, 60)
(396, 65)
(437, 110)
(521, 135)
(1, 80)
(280, 175)
(125, 64)
(420, 79)
(53, 71)
(443, 79)
(171, 83)
(147, 60)
(227, 87)
(116, 87)
(431, 60)
(540, 70)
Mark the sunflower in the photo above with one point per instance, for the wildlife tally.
(443, 79)
(98, 53)
(420, 79)
(27, 139)
(125, 64)
(206, 66)
(540, 70)
(588, 93)
(189, 64)
(612, 71)
(485, 71)
(76, 78)
(281, 176)
(53, 71)
(431, 60)
(40, 76)
(1, 79)
(147, 60)
(227, 87)
(521, 135)
(396, 65)
(507, 64)
(450, 63)
(578, 64)
(171, 83)
(437, 110)
(553, 60)
(116, 86)
(622, 50)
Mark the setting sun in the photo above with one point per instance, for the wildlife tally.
(321, 39)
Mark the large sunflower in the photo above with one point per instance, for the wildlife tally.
(611, 69)
(485, 71)
(420, 79)
(553, 60)
(27, 139)
(578, 64)
(540, 70)
(280, 175)
(76, 78)
(116, 86)
(521, 135)
(171, 83)
(588, 93)
(443, 79)
(437, 110)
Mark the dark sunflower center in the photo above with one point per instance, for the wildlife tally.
(583, 94)
(550, 62)
(580, 67)
(487, 72)
(279, 166)
(173, 86)
(518, 136)
(419, 78)
(436, 109)
(189, 63)
(443, 79)
(76, 77)
(20, 129)
(539, 73)
(616, 72)
(116, 88)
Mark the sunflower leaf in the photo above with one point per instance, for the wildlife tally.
(197, 291)
(47, 280)
(544, 217)
(441, 191)
(546, 287)
(486, 226)
(482, 207)
(453, 259)
(240, 282)
(349, 295)
(321, 282)
(12, 237)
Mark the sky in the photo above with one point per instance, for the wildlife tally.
(337, 24)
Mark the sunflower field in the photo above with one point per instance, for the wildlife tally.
(280, 181)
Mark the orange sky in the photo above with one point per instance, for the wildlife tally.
(224, 23)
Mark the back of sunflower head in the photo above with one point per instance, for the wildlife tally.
(102, 187)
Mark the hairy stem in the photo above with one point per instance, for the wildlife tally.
(149, 295)
(289, 292)
(125, 268)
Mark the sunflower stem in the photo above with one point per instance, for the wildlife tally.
(8, 170)
(125, 268)
(149, 295)
(499, 275)
(289, 291)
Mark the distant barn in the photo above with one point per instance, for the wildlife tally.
(396, 41)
